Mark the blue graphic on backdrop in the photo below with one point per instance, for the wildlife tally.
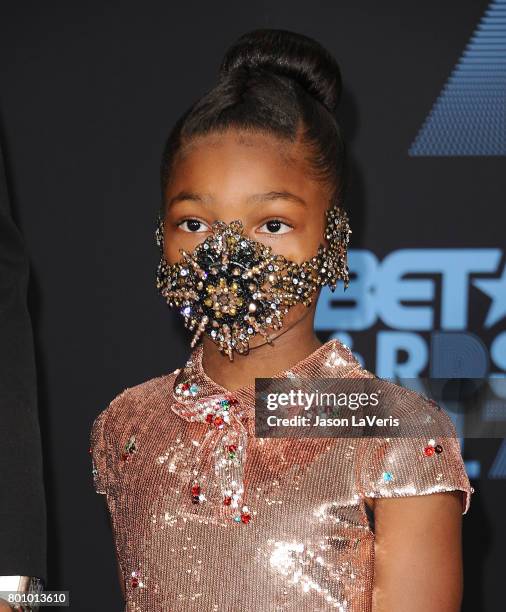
(422, 297)
(469, 117)
(498, 469)
(400, 292)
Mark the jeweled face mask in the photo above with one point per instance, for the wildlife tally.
(232, 287)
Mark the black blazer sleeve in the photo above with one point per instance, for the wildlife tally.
(22, 497)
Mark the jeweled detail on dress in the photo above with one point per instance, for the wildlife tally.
(130, 448)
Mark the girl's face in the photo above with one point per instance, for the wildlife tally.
(257, 178)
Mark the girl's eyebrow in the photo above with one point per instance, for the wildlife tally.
(276, 195)
(253, 199)
(187, 195)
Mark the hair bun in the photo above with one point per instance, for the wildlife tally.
(288, 54)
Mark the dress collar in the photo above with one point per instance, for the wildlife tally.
(192, 385)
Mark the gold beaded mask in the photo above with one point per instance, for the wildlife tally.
(232, 287)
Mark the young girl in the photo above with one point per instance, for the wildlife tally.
(205, 515)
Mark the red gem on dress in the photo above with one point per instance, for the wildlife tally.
(245, 517)
(227, 500)
(428, 451)
(195, 489)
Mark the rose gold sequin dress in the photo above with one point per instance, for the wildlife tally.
(292, 533)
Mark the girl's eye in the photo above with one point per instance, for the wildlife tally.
(192, 225)
(275, 226)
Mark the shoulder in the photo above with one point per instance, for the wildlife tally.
(133, 402)
(419, 414)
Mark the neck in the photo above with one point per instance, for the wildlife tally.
(263, 361)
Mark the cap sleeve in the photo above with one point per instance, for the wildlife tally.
(100, 453)
(417, 465)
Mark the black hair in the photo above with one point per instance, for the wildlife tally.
(277, 82)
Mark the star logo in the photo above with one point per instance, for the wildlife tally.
(495, 288)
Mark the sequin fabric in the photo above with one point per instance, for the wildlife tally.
(208, 517)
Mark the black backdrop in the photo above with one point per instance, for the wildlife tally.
(88, 93)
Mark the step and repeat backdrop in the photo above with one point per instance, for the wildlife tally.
(88, 94)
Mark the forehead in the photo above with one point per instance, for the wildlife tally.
(239, 160)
